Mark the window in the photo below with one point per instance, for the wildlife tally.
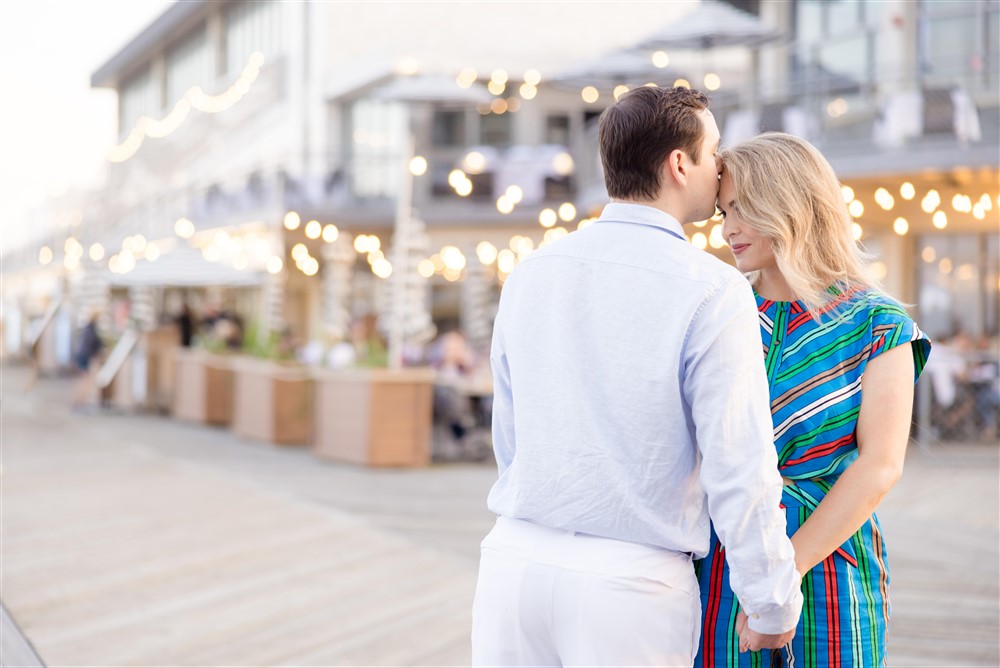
(139, 97)
(495, 130)
(189, 63)
(557, 130)
(448, 128)
(958, 281)
(378, 130)
(249, 27)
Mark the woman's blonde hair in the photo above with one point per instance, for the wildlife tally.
(787, 191)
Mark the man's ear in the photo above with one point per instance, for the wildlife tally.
(674, 168)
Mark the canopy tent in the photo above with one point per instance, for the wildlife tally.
(185, 267)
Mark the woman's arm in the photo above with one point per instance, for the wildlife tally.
(883, 430)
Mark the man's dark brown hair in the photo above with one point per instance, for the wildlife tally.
(638, 132)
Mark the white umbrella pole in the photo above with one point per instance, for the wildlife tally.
(400, 243)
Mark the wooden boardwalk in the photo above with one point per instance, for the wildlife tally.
(138, 541)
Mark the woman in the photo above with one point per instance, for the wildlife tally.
(841, 360)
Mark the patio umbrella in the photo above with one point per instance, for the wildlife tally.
(628, 67)
(712, 24)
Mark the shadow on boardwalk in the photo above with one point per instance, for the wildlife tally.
(141, 541)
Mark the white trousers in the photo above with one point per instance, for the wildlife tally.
(547, 597)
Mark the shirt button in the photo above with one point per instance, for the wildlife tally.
(756, 616)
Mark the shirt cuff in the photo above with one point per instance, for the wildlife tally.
(776, 620)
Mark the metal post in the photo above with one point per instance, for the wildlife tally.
(400, 244)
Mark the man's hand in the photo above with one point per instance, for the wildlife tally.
(752, 641)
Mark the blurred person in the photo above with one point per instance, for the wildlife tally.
(87, 352)
(841, 358)
(953, 403)
(186, 324)
(630, 406)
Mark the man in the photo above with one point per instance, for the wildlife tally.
(630, 404)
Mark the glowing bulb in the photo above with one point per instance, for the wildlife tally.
(274, 264)
(496, 88)
(900, 226)
(907, 191)
(292, 220)
(986, 202)
(425, 268)
(562, 163)
(567, 211)
(453, 258)
(528, 91)
(313, 229)
(978, 212)
(884, 199)
(712, 81)
(879, 270)
(532, 77)
(45, 255)
(474, 162)
(699, 240)
(619, 90)
(464, 188)
(661, 59)
(856, 208)
(589, 94)
(504, 205)
(944, 266)
(418, 165)
(361, 243)
(330, 233)
(715, 237)
(940, 220)
(856, 231)
(547, 218)
(299, 252)
(96, 252)
(930, 201)
(847, 192)
(151, 252)
(682, 83)
(928, 254)
(506, 260)
(486, 252)
(456, 177)
(514, 194)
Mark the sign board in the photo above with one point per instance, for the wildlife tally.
(117, 358)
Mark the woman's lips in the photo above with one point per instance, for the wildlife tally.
(739, 248)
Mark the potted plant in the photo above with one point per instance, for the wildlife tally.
(272, 392)
(369, 414)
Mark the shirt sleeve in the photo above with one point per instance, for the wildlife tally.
(503, 400)
(891, 327)
(726, 390)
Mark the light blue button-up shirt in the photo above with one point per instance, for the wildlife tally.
(631, 402)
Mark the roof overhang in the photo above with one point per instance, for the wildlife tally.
(147, 42)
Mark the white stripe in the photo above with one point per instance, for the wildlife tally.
(817, 406)
(766, 323)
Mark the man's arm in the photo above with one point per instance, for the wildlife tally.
(725, 386)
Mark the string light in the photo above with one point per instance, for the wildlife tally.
(194, 98)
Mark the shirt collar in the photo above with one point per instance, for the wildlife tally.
(641, 214)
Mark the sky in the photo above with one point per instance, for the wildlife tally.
(54, 129)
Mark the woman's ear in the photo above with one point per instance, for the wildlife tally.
(674, 169)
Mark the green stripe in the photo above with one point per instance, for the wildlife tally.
(812, 434)
(778, 328)
(823, 329)
(835, 344)
(866, 587)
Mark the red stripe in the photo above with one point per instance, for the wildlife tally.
(712, 613)
(821, 450)
(764, 305)
(798, 322)
(833, 620)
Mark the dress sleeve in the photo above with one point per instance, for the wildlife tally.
(891, 327)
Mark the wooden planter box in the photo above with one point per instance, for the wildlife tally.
(203, 386)
(375, 417)
(272, 401)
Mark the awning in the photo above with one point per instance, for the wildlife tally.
(185, 267)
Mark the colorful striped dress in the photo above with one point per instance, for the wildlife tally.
(814, 371)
